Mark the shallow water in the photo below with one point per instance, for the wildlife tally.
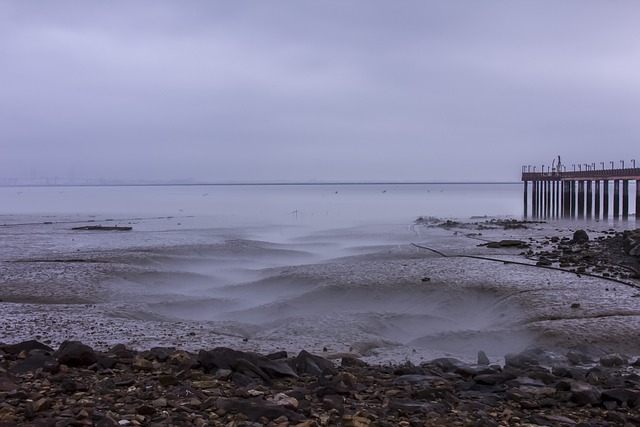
(330, 269)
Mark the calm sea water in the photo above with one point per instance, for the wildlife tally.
(310, 204)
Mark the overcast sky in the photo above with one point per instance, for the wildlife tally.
(349, 90)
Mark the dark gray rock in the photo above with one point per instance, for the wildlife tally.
(274, 368)
(223, 374)
(333, 403)
(614, 360)
(544, 261)
(580, 392)
(483, 359)
(34, 362)
(247, 363)
(408, 368)
(579, 237)
(160, 354)
(249, 369)
(415, 406)
(449, 364)
(493, 379)
(573, 372)
(585, 397)
(415, 379)
(534, 357)
(257, 408)
(7, 384)
(219, 358)
(242, 380)
(507, 244)
(524, 381)
(307, 363)
(168, 380)
(26, 346)
(616, 418)
(458, 367)
(74, 353)
(579, 358)
(621, 395)
(278, 355)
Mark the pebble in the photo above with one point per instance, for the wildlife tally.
(535, 387)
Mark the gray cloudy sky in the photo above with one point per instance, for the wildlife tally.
(347, 90)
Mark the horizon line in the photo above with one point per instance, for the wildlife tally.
(251, 183)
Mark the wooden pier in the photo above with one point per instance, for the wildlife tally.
(589, 193)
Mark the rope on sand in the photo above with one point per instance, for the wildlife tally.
(548, 267)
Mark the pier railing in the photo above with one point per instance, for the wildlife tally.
(582, 193)
(628, 173)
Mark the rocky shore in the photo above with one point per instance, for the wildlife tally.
(611, 254)
(76, 385)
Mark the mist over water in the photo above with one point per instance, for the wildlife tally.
(326, 267)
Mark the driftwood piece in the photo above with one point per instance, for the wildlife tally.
(506, 244)
(102, 228)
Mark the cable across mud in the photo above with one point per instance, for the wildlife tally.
(579, 274)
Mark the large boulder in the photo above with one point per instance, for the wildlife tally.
(74, 353)
(244, 363)
(307, 363)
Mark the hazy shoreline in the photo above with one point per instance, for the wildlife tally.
(93, 183)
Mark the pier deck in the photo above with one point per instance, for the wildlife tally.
(589, 193)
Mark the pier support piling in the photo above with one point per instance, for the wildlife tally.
(580, 199)
(625, 198)
(616, 198)
(589, 199)
(596, 212)
(534, 199)
(573, 198)
(605, 199)
(566, 199)
(637, 198)
(526, 198)
(548, 199)
(558, 198)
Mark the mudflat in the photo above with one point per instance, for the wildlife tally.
(441, 288)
